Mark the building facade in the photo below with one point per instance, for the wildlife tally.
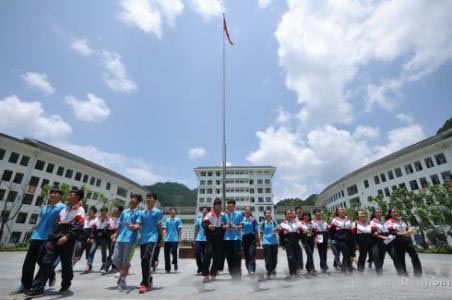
(248, 186)
(414, 167)
(28, 165)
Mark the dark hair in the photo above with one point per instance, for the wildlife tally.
(230, 201)
(208, 208)
(337, 210)
(306, 214)
(104, 208)
(138, 197)
(172, 208)
(217, 201)
(372, 216)
(316, 210)
(298, 207)
(267, 210)
(389, 214)
(79, 193)
(152, 195)
(286, 211)
(120, 208)
(93, 208)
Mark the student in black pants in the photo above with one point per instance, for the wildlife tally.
(289, 231)
(250, 240)
(299, 216)
(214, 231)
(307, 236)
(172, 229)
(200, 241)
(321, 238)
(268, 229)
(380, 234)
(61, 243)
(232, 241)
(402, 244)
(342, 228)
(364, 238)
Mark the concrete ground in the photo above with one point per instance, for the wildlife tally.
(436, 283)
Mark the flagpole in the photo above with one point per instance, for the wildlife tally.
(224, 115)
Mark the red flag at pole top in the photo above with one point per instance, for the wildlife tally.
(225, 28)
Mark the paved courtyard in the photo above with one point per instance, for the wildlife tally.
(436, 283)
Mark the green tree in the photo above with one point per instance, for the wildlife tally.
(446, 126)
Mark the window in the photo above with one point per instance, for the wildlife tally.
(201, 200)
(28, 199)
(380, 192)
(376, 179)
(366, 183)
(44, 183)
(27, 236)
(446, 176)
(33, 219)
(398, 172)
(85, 178)
(440, 159)
(92, 180)
(39, 201)
(394, 187)
(390, 175)
(2, 194)
(417, 166)
(209, 174)
(7, 174)
(260, 181)
(342, 193)
(402, 185)
(423, 182)
(34, 181)
(260, 190)
(13, 157)
(268, 190)
(60, 171)
(69, 173)
(203, 173)
(428, 162)
(414, 186)
(209, 191)
(267, 181)
(260, 199)
(251, 181)
(435, 179)
(21, 218)
(252, 200)
(50, 168)
(408, 169)
(108, 186)
(39, 165)
(24, 160)
(268, 199)
(261, 208)
(121, 192)
(15, 237)
(78, 176)
(387, 193)
(355, 201)
(383, 177)
(209, 182)
(217, 173)
(18, 178)
(12, 195)
(217, 182)
(2, 153)
(351, 190)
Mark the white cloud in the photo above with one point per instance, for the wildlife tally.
(366, 132)
(405, 119)
(306, 164)
(147, 15)
(93, 109)
(30, 118)
(39, 81)
(323, 45)
(264, 3)
(197, 153)
(208, 8)
(82, 47)
(135, 169)
(115, 75)
(283, 117)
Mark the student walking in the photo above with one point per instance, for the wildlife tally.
(126, 237)
(214, 231)
(172, 229)
(342, 228)
(402, 244)
(47, 218)
(200, 241)
(90, 240)
(307, 232)
(101, 238)
(250, 240)
(380, 234)
(61, 243)
(232, 223)
(150, 222)
(289, 231)
(364, 238)
(320, 227)
(112, 232)
(268, 229)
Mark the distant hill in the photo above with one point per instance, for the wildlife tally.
(293, 202)
(446, 126)
(173, 194)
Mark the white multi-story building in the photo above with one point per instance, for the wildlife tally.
(27, 165)
(414, 167)
(248, 186)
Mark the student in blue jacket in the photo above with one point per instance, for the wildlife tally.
(232, 223)
(268, 229)
(200, 240)
(172, 229)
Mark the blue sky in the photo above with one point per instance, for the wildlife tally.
(315, 88)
